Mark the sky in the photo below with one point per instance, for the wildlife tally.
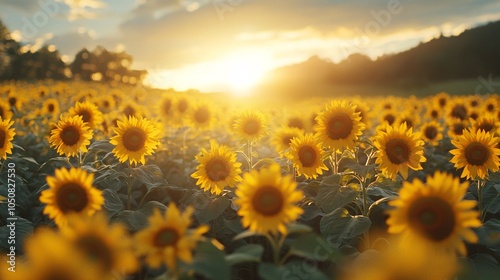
(229, 45)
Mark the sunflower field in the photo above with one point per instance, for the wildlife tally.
(117, 182)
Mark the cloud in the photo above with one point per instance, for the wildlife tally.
(27, 6)
(71, 43)
(165, 32)
(83, 9)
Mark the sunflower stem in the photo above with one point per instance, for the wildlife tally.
(129, 187)
(79, 158)
(479, 199)
(249, 158)
(336, 166)
(276, 246)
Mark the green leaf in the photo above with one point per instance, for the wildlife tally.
(112, 201)
(340, 227)
(247, 253)
(314, 247)
(135, 220)
(245, 234)
(210, 261)
(361, 170)
(213, 209)
(150, 175)
(332, 196)
(294, 270)
(489, 233)
(149, 207)
(22, 229)
(298, 228)
(491, 197)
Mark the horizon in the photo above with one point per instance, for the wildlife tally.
(222, 46)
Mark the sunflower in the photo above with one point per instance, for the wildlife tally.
(70, 191)
(282, 138)
(474, 101)
(134, 139)
(266, 200)
(70, 135)
(399, 149)
(250, 125)
(218, 168)
(364, 112)
(411, 120)
(433, 113)
(456, 127)
(89, 113)
(51, 107)
(166, 108)
(181, 107)
(476, 152)
(442, 99)
(132, 109)
(202, 116)
(5, 112)
(106, 102)
(297, 122)
(339, 125)
(491, 105)
(434, 214)
(487, 122)
(7, 133)
(307, 156)
(432, 133)
(51, 257)
(389, 117)
(458, 110)
(106, 247)
(167, 238)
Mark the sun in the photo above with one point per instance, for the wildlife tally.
(236, 73)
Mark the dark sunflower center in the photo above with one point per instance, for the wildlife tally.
(409, 123)
(434, 114)
(397, 151)
(390, 118)
(387, 106)
(473, 115)
(167, 105)
(51, 108)
(442, 102)
(474, 103)
(251, 127)
(3, 136)
(268, 201)
(165, 237)
(86, 116)
(459, 111)
(182, 105)
(339, 126)
(134, 139)
(129, 111)
(432, 217)
(202, 115)
(217, 169)
(296, 122)
(486, 126)
(490, 107)
(307, 156)
(286, 140)
(96, 250)
(71, 197)
(458, 128)
(12, 101)
(106, 104)
(430, 132)
(476, 153)
(70, 135)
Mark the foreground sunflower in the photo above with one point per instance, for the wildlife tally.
(168, 239)
(70, 191)
(70, 136)
(267, 200)
(399, 149)
(434, 214)
(107, 247)
(89, 113)
(307, 156)
(339, 125)
(134, 139)
(218, 168)
(476, 153)
(7, 133)
(250, 125)
(51, 257)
